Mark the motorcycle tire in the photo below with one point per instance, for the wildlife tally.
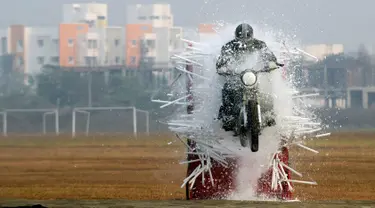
(253, 125)
(241, 131)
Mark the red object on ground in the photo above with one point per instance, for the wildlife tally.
(224, 181)
(264, 183)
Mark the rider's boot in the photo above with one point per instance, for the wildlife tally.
(271, 122)
(228, 123)
(269, 119)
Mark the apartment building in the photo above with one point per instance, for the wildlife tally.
(159, 46)
(95, 15)
(151, 46)
(90, 47)
(72, 37)
(17, 36)
(322, 50)
(115, 46)
(95, 46)
(68, 45)
(102, 47)
(134, 38)
(29, 47)
(151, 38)
(157, 15)
(41, 47)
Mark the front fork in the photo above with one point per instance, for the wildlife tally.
(245, 100)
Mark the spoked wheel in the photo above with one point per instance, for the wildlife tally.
(253, 125)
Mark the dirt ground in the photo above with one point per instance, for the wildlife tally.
(122, 167)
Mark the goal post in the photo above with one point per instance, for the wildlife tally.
(46, 112)
(87, 111)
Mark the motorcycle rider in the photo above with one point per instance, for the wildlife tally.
(232, 53)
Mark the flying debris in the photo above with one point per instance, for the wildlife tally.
(208, 144)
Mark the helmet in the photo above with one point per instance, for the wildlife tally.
(244, 31)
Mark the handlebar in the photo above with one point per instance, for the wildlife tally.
(267, 70)
(264, 70)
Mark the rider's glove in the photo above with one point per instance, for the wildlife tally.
(272, 65)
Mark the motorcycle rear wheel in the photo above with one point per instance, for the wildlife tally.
(241, 130)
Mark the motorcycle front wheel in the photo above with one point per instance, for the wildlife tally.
(253, 125)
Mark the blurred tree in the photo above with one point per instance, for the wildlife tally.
(65, 88)
(71, 89)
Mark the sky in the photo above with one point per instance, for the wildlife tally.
(313, 21)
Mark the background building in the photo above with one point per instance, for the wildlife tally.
(29, 47)
(93, 14)
(115, 46)
(151, 37)
(157, 15)
(71, 45)
(41, 47)
(134, 40)
(17, 36)
(322, 50)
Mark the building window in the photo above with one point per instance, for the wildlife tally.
(91, 23)
(89, 43)
(77, 8)
(40, 43)
(117, 59)
(133, 59)
(150, 43)
(95, 61)
(71, 60)
(87, 61)
(70, 42)
(20, 46)
(134, 42)
(151, 60)
(20, 61)
(20, 43)
(55, 59)
(154, 17)
(94, 44)
(55, 41)
(40, 60)
(117, 42)
(142, 18)
(79, 27)
(144, 27)
(101, 17)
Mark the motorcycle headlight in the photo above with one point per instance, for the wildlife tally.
(249, 78)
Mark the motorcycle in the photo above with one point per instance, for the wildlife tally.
(248, 123)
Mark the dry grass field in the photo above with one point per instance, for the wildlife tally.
(122, 167)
